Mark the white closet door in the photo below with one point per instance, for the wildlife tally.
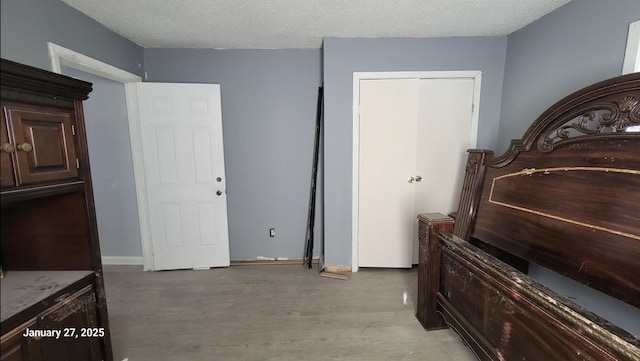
(414, 134)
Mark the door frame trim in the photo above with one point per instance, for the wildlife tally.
(139, 175)
(62, 56)
(632, 52)
(476, 75)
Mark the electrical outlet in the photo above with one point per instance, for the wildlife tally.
(272, 232)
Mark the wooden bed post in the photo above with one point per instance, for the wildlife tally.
(470, 195)
(430, 224)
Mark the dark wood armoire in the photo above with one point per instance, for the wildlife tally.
(53, 297)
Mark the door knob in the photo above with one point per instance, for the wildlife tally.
(411, 179)
(25, 147)
(219, 192)
(8, 148)
(418, 178)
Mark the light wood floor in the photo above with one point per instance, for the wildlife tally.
(270, 312)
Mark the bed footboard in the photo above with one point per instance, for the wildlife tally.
(503, 314)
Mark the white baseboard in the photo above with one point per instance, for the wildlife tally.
(130, 261)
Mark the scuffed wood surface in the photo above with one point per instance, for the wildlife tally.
(516, 318)
(22, 289)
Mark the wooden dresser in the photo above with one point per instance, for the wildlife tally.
(53, 288)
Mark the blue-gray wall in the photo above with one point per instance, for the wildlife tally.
(342, 57)
(576, 45)
(268, 118)
(27, 25)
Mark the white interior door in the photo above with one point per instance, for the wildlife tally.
(181, 135)
(414, 134)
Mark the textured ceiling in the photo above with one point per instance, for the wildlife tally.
(260, 24)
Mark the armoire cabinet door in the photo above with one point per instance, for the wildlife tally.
(79, 339)
(15, 347)
(7, 176)
(76, 318)
(44, 145)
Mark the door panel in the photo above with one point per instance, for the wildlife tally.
(181, 127)
(388, 149)
(7, 176)
(444, 135)
(15, 347)
(50, 154)
(77, 317)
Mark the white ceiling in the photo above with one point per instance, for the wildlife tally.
(267, 24)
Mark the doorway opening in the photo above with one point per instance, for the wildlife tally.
(61, 56)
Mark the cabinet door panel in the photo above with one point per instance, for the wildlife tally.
(15, 347)
(6, 177)
(72, 317)
(49, 135)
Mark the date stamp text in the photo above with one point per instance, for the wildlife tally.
(67, 332)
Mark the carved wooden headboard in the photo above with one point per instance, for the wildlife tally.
(567, 197)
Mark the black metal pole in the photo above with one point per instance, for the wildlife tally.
(308, 259)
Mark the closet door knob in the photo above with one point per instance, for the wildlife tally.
(219, 193)
(8, 148)
(25, 147)
(411, 180)
(418, 178)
